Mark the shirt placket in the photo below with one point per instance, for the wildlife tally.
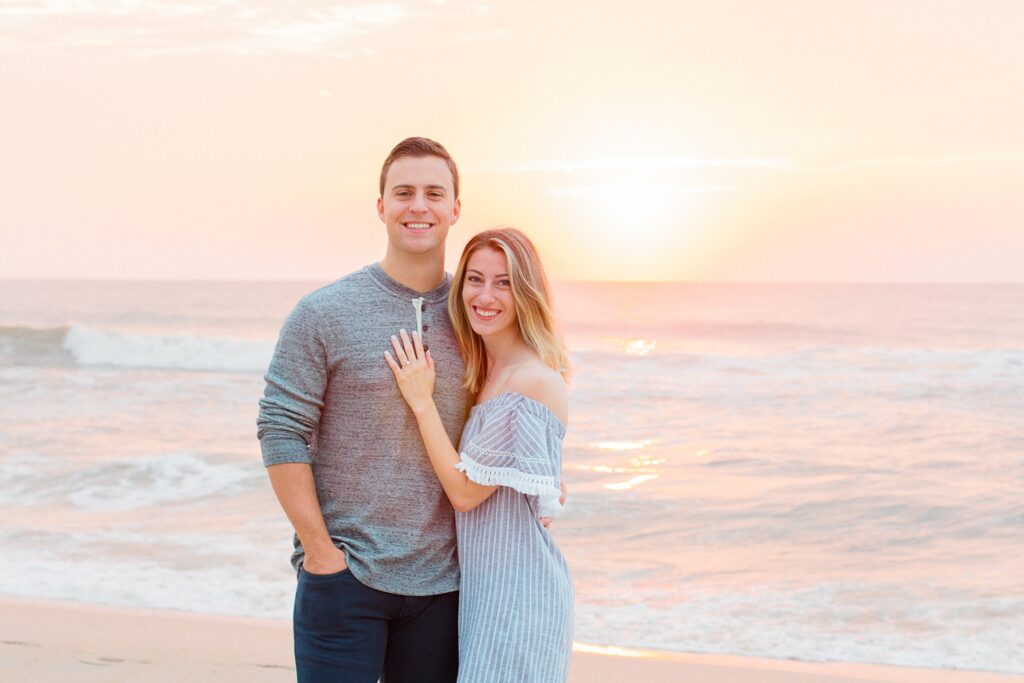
(419, 305)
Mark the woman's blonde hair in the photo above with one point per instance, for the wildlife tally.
(532, 297)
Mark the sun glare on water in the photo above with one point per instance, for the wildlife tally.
(635, 481)
(612, 650)
(639, 347)
(622, 445)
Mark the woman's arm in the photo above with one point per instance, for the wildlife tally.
(414, 372)
(463, 493)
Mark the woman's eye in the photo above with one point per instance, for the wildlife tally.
(504, 283)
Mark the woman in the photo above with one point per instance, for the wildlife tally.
(515, 604)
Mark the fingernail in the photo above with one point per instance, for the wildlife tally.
(402, 331)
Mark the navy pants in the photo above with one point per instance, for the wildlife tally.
(346, 632)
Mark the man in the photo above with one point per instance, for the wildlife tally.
(374, 533)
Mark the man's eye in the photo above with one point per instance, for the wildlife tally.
(404, 193)
(436, 195)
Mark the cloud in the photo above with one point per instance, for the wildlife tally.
(779, 163)
(647, 189)
(636, 163)
(911, 160)
(148, 27)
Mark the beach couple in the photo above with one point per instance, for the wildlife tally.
(399, 393)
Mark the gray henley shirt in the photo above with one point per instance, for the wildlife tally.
(332, 401)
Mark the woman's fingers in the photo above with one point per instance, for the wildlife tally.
(408, 346)
(395, 367)
(417, 345)
(400, 354)
(408, 351)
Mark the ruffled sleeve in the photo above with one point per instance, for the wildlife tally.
(517, 447)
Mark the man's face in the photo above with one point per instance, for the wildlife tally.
(418, 205)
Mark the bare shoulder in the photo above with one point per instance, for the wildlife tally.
(544, 385)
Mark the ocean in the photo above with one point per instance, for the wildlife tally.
(816, 472)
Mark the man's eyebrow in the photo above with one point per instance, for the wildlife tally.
(408, 186)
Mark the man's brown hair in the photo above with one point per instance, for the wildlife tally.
(420, 147)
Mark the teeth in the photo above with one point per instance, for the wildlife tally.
(486, 314)
(418, 226)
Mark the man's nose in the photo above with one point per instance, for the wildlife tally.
(419, 203)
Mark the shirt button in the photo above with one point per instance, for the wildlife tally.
(426, 327)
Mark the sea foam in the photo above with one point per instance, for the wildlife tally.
(81, 346)
(178, 352)
(112, 486)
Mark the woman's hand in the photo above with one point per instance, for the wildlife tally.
(414, 370)
(546, 521)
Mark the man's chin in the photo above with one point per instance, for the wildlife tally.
(424, 248)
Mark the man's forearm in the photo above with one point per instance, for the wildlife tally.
(296, 492)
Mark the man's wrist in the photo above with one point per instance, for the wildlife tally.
(320, 548)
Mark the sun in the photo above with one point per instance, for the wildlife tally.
(636, 226)
(628, 210)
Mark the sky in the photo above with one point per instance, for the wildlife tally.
(726, 140)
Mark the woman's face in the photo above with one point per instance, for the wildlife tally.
(487, 292)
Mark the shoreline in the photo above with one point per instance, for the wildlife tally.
(45, 640)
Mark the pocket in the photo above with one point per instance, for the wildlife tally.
(320, 601)
(315, 578)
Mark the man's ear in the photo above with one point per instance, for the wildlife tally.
(456, 211)
(380, 209)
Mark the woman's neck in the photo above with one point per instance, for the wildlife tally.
(504, 350)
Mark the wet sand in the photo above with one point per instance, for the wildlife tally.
(50, 641)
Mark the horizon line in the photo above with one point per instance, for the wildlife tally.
(115, 280)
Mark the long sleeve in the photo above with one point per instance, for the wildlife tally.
(293, 397)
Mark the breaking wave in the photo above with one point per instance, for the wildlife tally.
(79, 346)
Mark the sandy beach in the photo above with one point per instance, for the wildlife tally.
(50, 641)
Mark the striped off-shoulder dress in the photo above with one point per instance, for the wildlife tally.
(516, 595)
